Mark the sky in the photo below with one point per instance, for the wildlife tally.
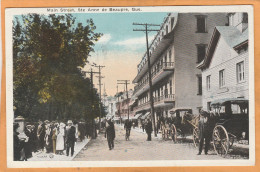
(120, 49)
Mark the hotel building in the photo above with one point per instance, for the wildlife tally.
(178, 47)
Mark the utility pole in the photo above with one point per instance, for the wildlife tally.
(99, 81)
(92, 99)
(125, 82)
(146, 30)
(118, 105)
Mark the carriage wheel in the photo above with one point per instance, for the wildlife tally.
(220, 140)
(196, 137)
(174, 134)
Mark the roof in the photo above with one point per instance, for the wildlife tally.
(232, 100)
(180, 108)
(232, 36)
(162, 45)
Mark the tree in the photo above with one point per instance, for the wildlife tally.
(48, 52)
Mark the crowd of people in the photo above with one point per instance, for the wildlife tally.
(59, 138)
(50, 137)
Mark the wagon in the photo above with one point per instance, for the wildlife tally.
(232, 123)
(184, 124)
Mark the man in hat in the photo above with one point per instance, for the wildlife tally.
(41, 135)
(149, 130)
(127, 127)
(204, 131)
(70, 138)
(17, 143)
(110, 134)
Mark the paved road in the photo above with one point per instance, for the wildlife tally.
(139, 149)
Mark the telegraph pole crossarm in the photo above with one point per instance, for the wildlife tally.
(146, 30)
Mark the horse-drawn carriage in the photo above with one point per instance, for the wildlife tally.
(232, 123)
(182, 124)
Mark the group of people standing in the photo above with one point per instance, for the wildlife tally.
(48, 137)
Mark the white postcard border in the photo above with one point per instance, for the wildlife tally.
(10, 12)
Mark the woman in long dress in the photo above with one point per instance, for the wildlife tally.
(60, 139)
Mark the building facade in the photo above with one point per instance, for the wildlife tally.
(123, 105)
(110, 106)
(176, 50)
(225, 69)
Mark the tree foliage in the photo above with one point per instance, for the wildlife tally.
(48, 52)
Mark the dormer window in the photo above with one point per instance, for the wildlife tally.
(201, 23)
(245, 18)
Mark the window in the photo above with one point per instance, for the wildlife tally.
(208, 106)
(201, 52)
(165, 58)
(222, 78)
(245, 18)
(167, 29)
(170, 86)
(208, 82)
(240, 72)
(201, 24)
(199, 84)
(172, 22)
(170, 56)
(166, 90)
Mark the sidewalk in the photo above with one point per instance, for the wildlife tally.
(42, 156)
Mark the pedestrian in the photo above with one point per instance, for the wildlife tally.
(70, 138)
(34, 138)
(128, 126)
(41, 135)
(28, 145)
(158, 126)
(54, 137)
(204, 131)
(48, 138)
(143, 125)
(149, 129)
(17, 145)
(110, 134)
(60, 139)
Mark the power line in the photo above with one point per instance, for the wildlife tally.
(125, 82)
(146, 30)
(99, 83)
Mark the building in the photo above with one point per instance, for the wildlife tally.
(175, 52)
(123, 105)
(110, 106)
(225, 68)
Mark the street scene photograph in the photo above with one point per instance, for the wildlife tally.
(130, 84)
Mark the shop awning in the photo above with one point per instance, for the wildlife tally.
(137, 116)
(146, 115)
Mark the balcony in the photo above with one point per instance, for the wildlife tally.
(161, 101)
(161, 72)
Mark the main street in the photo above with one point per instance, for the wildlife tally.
(137, 148)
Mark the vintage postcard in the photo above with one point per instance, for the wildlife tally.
(130, 86)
